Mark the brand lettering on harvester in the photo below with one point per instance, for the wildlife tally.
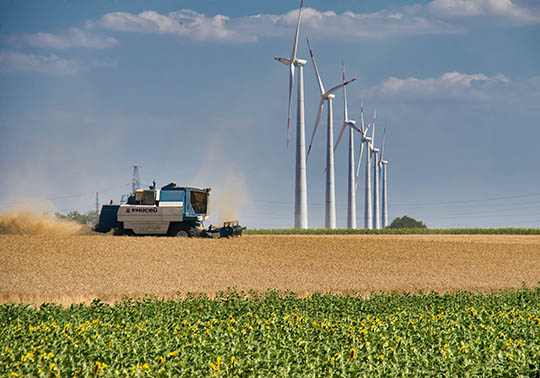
(144, 210)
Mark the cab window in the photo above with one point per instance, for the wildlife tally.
(199, 202)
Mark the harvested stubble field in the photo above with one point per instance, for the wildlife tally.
(74, 268)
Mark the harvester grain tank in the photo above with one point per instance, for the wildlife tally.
(171, 210)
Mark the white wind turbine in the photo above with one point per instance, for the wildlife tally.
(330, 208)
(364, 140)
(382, 167)
(351, 204)
(368, 212)
(375, 152)
(300, 193)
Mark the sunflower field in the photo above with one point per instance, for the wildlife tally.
(278, 334)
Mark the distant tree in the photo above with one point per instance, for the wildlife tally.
(406, 222)
(88, 219)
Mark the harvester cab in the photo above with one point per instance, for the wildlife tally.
(171, 210)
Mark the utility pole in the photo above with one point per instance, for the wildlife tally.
(135, 180)
(97, 206)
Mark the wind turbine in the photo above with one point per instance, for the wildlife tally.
(351, 204)
(382, 167)
(375, 152)
(300, 193)
(330, 209)
(365, 140)
(368, 212)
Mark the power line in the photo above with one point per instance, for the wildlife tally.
(466, 201)
(135, 180)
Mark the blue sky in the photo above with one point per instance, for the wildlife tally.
(189, 90)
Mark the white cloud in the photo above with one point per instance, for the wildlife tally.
(483, 92)
(75, 37)
(504, 10)
(185, 23)
(436, 18)
(323, 24)
(347, 25)
(14, 61)
(448, 85)
(408, 20)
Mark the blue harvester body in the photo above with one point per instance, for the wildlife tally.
(171, 210)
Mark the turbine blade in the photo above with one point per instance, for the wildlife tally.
(345, 110)
(340, 136)
(319, 113)
(367, 128)
(333, 89)
(291, 81)
(373, 129)
(315, 67)
(358, 166)
(295, 44)
(362, 116)
(382, 148)
(283, 60)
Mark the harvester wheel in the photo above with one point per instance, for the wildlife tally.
(181, 234)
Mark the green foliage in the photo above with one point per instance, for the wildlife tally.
(394, 231)
(88, 219)
(406, 222)
(405, 335)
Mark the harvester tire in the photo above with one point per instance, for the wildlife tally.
(177, 230)
(181, 234)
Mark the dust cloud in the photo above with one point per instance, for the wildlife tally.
(228, 199)
(30, 218)
(229, 196)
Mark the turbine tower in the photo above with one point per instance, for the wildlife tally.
(375, 152)
(368, 204)
(351, 192)
(300, 193)
(382, 167)
(330, 208)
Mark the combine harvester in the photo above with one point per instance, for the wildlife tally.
(171, 210)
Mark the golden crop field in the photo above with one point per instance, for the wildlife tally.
(68, 268)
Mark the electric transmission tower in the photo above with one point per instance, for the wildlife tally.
(135, 180)
(97, 204)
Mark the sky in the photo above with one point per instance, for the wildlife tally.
(190, 92)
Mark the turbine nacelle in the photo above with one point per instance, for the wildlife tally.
(351, 124)
(286, 61)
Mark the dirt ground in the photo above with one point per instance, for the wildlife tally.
(74, 268)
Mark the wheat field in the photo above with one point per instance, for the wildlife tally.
(78, 268)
